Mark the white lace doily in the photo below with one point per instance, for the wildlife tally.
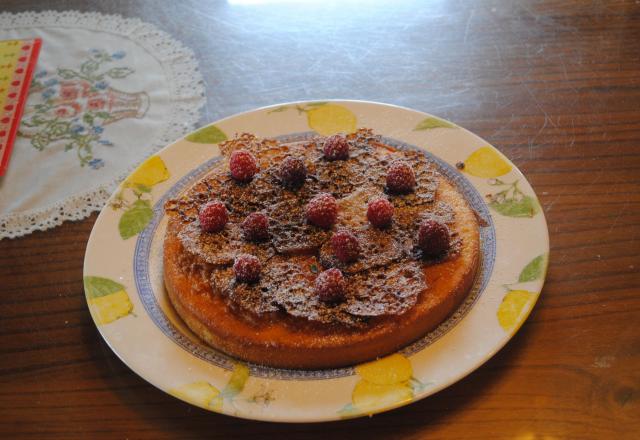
(107, 92)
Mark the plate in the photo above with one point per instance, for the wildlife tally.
(127, 300)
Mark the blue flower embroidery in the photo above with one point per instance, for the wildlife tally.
(77, 129)
(96, 163)
(50, 82)
(118, 55)
(101, 85)
(97, 129)
(41, 74)
(48, 93)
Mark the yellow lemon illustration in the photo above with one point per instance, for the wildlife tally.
(151, 172)
(386, 382)
(200, 393)
(111, 307)
(108, 300)
(237, 380)
(328, 119)
(486, 162)
(511, 308)
(368, 397)
(386, 371)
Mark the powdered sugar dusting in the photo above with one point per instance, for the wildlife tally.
(387, 277)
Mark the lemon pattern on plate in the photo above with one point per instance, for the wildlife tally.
(384, 383)
(206, 396)
(199, 393)
(509, 200)
(108, 301)
(432, 122)
(151, 172)
(210, 134)
(325, 118)
(517, 301)
(134, 197)
(486, 162)
(511, 308)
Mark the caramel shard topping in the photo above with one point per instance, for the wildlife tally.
(387, 277)
(221, 248)
(377, 249)
(290, 231)
(390, 290)
(286, 285)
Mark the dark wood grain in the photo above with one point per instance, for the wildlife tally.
(555, 85)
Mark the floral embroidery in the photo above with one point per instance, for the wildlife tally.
(72, 107)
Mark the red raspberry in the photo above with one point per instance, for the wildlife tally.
(243, 165)
(330, 286)
(336, 147)
(322, 211)
(380, 213)
(400, 177)
(293, 172)
(345, 246)
(433, 238)
(255, 227)
(246, 268)
(213, 216)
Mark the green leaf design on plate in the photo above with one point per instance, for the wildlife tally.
(141, 188)
(533, 270)
(95, 287)
(237, 381)
(207, 135)
(107, 299)
(429, 123)
(134, 220)
(523, 207)
(418, 386)
(348, 411)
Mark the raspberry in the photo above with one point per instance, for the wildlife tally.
(380, 213)
(345, 246)
(293, 172)
(213, 216)
(400, 177)
(243, 165)
(256, 227)
(322, 211)
(433, 238)
(336, 147)
(330, 286)
(246, 268)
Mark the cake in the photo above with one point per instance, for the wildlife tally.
(318, 254)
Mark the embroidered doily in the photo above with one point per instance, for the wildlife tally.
(107, 92)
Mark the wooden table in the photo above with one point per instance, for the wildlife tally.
(555, 85)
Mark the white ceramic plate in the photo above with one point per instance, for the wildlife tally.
(126, 296)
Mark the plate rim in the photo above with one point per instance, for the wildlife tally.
(486, 356)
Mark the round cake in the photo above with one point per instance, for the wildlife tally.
(318, 254)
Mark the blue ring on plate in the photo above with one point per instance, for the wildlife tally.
(204, 352)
